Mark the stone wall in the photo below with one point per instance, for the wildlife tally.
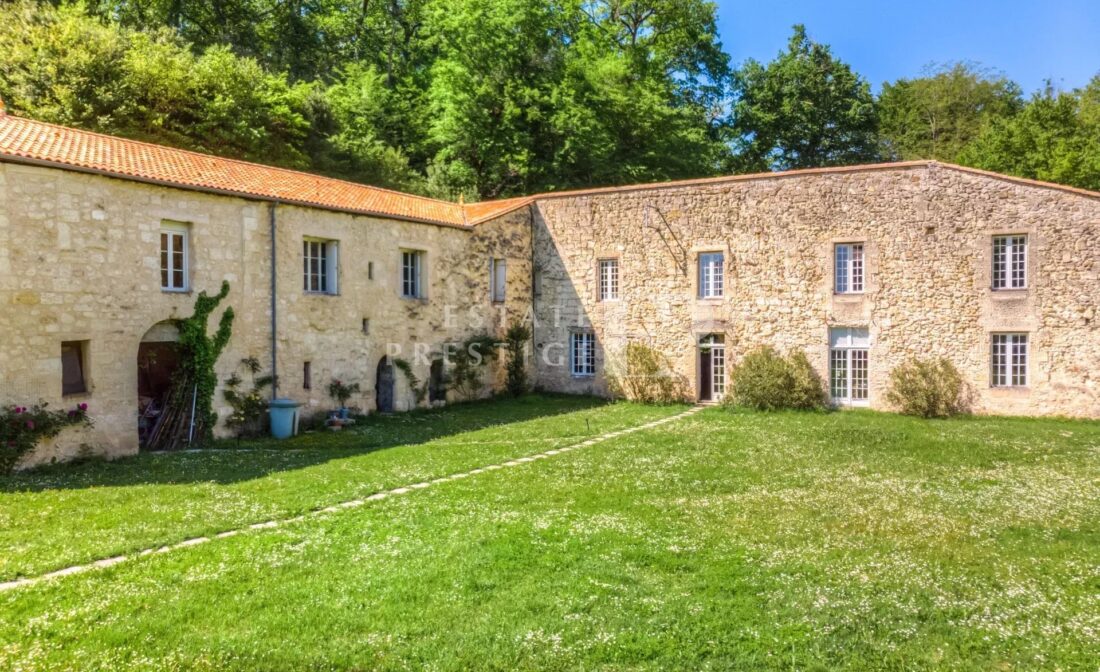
(79, 261)
(927, 231)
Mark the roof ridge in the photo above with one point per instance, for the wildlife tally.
(192, 152)
(865, 167)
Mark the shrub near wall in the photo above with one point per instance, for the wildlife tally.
(643, 374)
(928, 388)
(767, 381)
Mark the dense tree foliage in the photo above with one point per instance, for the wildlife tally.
(937, 115)
(1056, 137)
(804, 109)
(490, 99)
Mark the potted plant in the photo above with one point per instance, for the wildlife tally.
(340, 393)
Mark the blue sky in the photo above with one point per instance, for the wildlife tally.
(883, 40)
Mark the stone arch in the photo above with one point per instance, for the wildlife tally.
(157, 361)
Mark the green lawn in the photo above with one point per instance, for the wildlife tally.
(787, 541)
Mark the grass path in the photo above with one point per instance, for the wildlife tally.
(75, 514)
(103, 563)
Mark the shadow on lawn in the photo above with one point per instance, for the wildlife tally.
(230, 462)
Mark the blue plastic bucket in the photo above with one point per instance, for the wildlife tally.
(283, 412)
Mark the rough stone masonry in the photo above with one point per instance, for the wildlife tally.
(702, 271)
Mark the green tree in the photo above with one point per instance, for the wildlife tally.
(360, 106)
(641, 95)
(804, 109)
(935, 116)
(66, 67)
(490, 93)
(1056, 137)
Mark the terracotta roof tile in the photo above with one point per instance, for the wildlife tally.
(38, 142)
(32, 141)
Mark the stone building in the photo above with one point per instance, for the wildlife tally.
(103, 241)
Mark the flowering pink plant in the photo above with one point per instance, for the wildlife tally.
(22, 427)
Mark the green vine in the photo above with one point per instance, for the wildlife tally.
(195, 379)
(420, 391)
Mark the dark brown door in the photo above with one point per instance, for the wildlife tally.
(706, 375)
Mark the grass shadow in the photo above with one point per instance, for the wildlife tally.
(230, 461)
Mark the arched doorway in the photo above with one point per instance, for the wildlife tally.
(157, 361)
(712, 367)
(437, 383)
(383, 386)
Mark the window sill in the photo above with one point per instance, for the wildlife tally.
(415, 299)
(583, 376)
(1013, 294)
(76, 396)
(710, 300)
(184, 292)
(322, 294)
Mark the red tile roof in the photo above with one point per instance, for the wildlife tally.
(36, 142)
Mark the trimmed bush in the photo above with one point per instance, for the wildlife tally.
(767, 381)
(644, 374)
(931, 388)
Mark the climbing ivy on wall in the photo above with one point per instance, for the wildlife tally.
(194, 381)
(418, 390)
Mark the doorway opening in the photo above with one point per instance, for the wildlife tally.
(157, 361)
(383, 386)
(712, 367)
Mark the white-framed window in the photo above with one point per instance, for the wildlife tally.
(609, 279)
(1008, 360)
(174, 257)
(848, 361)
(711, 275)
(412, 274)
(319, 264)
(498, 276)
(1010, 262)
(582, 353)
(848, 267)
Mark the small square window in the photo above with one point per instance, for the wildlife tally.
(74, 367)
